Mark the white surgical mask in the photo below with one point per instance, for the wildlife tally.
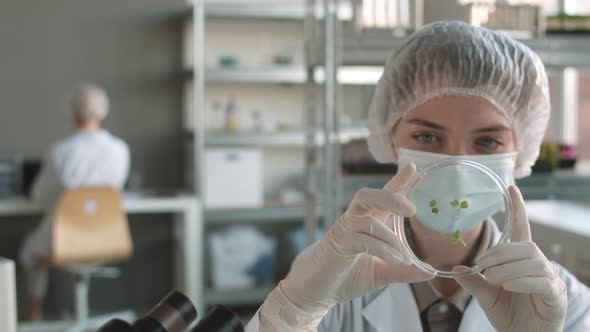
(456, 199)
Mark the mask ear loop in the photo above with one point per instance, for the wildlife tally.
(394, 148)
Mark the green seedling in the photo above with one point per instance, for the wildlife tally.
(456, 238)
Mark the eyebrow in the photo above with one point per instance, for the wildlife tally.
(425, 123)
(491, 129)
(495, 128)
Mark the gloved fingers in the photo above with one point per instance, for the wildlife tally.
(477, 285)
(401, 178)
(368, 201)
(361, 243)
(521, 230)
(529, 268)
(508, 252)
(373, 228)
(386, 274)
(550, 289)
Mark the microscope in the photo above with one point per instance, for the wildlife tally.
(176, 313)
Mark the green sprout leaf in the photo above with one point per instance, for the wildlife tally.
(435, 210)
(464, 205)
(456, 238)
(455, 203)
(432, 203)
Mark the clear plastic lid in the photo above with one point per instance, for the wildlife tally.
(454, 199)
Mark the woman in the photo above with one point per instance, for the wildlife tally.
(91, 156)
(451, 90)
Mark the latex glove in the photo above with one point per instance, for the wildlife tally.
(359, 253)
(520, 289)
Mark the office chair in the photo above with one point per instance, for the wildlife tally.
(89, 228)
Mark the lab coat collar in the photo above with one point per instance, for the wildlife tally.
(394, 309)
(474, 319)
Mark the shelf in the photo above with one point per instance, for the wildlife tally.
(269, 214)
(275, 139)
(291, 10)
(347, 75)
(352, 75)
(558, 51)
(237, 297)
(563, 50)
(277, 74)
(292, 138)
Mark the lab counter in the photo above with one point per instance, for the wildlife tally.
(561, 229)
(187, 230)
(561, 215)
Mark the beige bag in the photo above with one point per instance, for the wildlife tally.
(90, 226)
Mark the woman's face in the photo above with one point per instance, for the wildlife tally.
(455, 125)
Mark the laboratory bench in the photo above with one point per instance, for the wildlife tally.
(187, 232)
(561, 229)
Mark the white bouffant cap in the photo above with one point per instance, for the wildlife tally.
(455, 58)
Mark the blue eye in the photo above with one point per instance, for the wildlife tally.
(426, 138)
(488, 142)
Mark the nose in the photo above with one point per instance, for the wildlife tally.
(457, 148)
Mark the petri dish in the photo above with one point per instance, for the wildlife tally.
(455, 199)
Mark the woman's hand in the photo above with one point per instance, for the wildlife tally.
(520, 289)
(359, 253)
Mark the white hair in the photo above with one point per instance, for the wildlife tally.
(90, 102)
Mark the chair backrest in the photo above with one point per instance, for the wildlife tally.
(89, 226)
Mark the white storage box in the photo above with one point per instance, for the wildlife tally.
(233, 177)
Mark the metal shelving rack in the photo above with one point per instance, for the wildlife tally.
(287, 138)
(200, 138)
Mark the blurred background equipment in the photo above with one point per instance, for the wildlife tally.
(174, 313)
(219, 319)
(356, 159)
(8, 178)
(567, 16)
(235, 178)
(30, 168)
(233, 267)
(8, 296)
(522, 19)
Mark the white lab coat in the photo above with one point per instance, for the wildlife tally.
(394, 309)
(84, 159)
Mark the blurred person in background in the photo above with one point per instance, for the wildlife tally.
(90, 157)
